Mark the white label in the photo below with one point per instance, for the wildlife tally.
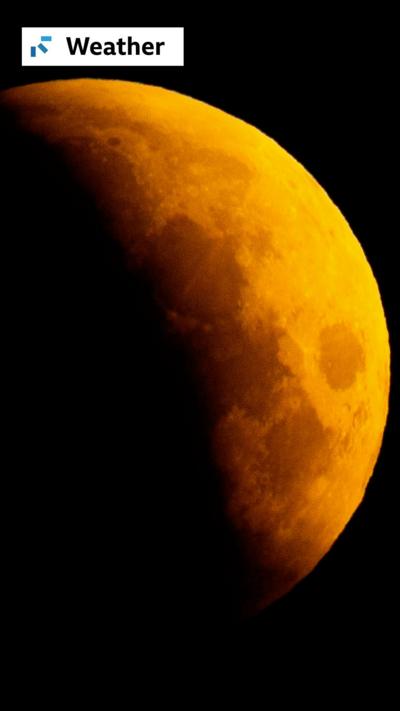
(102, 47)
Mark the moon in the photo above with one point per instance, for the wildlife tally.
(264, 287)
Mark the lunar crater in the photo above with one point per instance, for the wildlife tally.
(342, 356)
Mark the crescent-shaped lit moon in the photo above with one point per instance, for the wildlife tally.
(262, 281)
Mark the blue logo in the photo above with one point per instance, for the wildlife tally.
(41, 46)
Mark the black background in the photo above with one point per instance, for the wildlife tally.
(323, 87)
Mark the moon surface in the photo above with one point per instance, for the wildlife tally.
(262, 284)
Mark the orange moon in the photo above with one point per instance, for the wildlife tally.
(261, 280)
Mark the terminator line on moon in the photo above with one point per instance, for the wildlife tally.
(262, 282)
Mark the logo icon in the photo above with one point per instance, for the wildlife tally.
(41, 46)
(102, 46)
